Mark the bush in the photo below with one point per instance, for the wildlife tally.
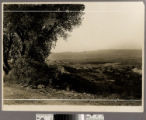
(29, 72)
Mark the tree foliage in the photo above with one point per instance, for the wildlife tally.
(32, 34)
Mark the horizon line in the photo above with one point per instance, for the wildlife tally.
(93, 50)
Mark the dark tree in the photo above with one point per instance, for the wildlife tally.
(32, 34)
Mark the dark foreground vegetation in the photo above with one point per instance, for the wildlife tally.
(120, 79)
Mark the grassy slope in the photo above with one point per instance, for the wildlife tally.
(14, 91)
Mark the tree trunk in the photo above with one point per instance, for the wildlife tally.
(23, 49)
(5, 70)
(6, 66)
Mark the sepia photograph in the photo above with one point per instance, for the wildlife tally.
(79, 55)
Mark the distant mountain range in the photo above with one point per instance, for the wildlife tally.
(120, 55)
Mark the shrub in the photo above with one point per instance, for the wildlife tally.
(30, 72)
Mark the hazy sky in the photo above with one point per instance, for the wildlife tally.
(107, 25)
